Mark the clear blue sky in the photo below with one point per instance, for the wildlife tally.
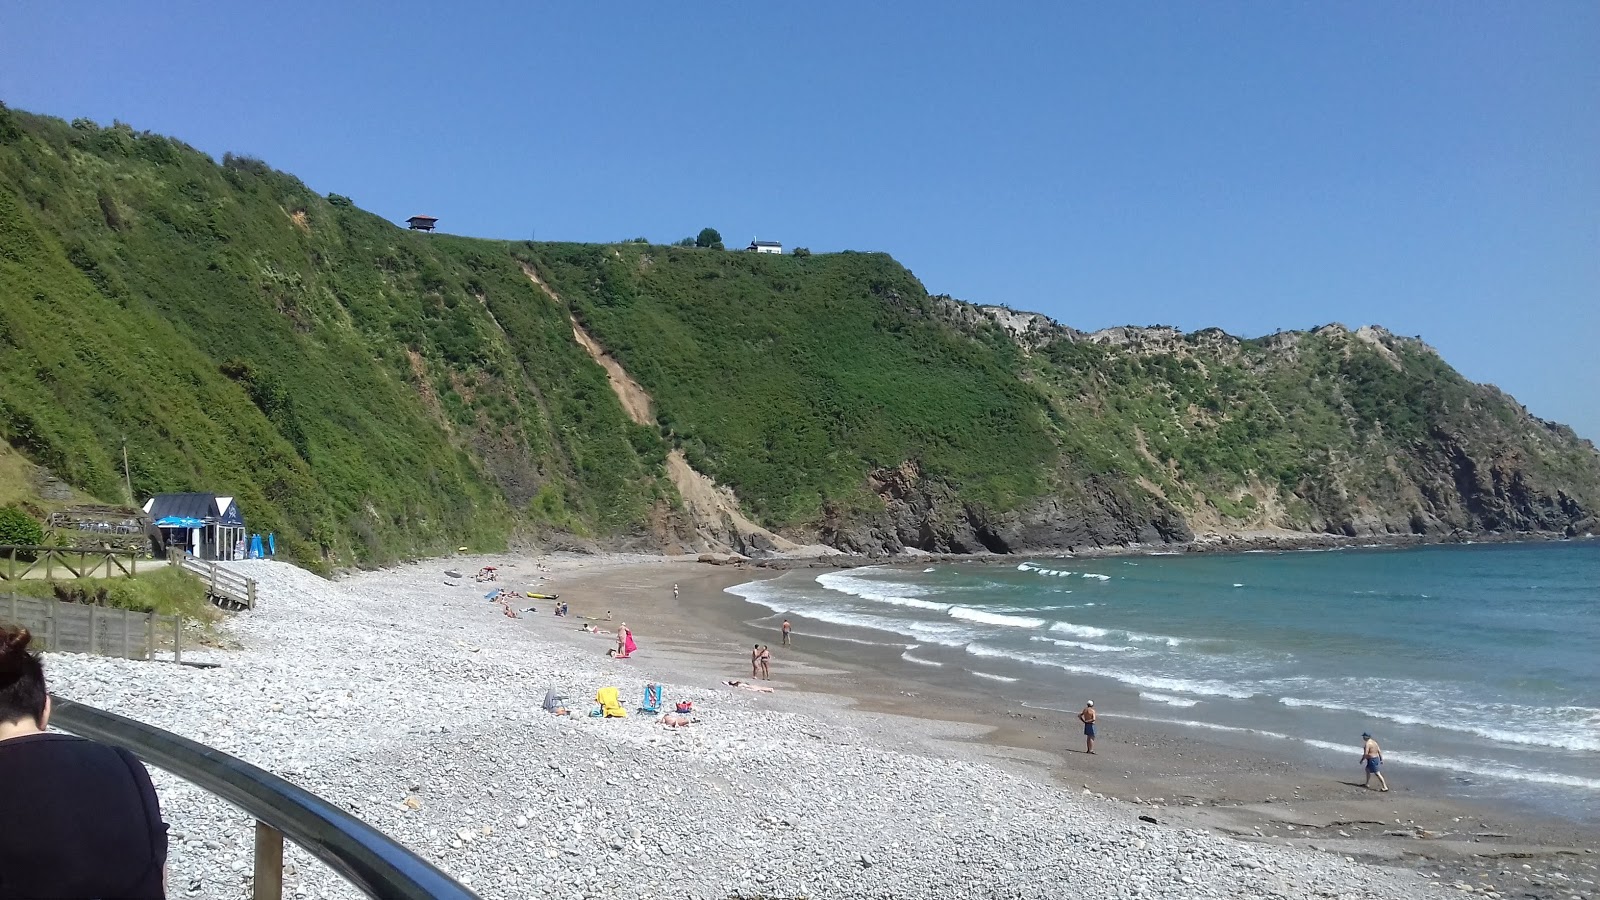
(1430, 166)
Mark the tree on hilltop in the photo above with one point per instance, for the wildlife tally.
(709, 237)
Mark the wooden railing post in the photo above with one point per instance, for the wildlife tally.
(177, 639)
(94, 628)
(127, 635)
(50, 565)
(150, 635)
(269, 863)
(250, 587)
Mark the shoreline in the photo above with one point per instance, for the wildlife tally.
(1238, 542)
(1236, 785)
(407, 697)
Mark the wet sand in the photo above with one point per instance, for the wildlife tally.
(1229, 784)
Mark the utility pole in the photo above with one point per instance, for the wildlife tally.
(132, 501)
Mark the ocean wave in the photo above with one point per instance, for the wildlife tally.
(919, 660)
(1546, 726)
(876, 591)
(1205, 688)
(1083, 631)
(1142, 638)
(1096, 576)
(1084, 645)
(1168, 699)
(1004, 678)
(969, 614)
(927, 570)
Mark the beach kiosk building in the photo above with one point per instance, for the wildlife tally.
(209, 526)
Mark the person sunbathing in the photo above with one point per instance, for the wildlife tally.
(749, 687)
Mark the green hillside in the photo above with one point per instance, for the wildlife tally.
(372, 393)
(368, 392)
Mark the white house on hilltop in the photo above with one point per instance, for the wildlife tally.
(765, 247)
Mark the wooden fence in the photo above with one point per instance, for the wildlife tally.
(18, 561)
(225, 588)
(86, 628)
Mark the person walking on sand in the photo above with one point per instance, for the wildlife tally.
(766, 663)
(786, 632)
(674, 592)
(755, 661)
(1372, 761)
(1087, 717)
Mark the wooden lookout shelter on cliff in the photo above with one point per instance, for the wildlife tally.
(422, 223)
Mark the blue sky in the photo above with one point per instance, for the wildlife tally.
(1427, 166)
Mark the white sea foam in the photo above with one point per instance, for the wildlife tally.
(876, 591)
(1167, 699)
(969, 614)
(1564, 727)
(1083, 645)
(1083, 631)
(919, 660)
(1097, 577)
(927, 570)
(1142, 638)
(1003, 678)
(1208, 688)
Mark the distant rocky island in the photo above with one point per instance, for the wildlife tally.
(371, 393)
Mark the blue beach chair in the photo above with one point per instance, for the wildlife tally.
(652, 699)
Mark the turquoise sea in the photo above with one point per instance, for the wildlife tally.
(1479, 664)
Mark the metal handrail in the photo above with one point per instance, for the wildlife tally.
(370, 860)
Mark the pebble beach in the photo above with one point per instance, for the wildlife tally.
(417, 706)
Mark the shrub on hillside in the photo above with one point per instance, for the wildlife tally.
(19, 528)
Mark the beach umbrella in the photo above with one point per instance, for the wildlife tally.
(272, 544)
(255, 546)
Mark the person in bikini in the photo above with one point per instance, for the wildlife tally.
(766, 662)
(755, 661)
(1087, 717)
(1372, 761)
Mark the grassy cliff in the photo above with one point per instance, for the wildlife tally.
(372, 393)
(368, 392)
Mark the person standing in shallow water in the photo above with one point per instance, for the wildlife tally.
(1087, 717)
(786, 632)
(1372, 761)
(83, 819)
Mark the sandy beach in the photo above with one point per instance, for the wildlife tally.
(408, 697)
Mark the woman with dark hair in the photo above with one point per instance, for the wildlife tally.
(84, 820)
